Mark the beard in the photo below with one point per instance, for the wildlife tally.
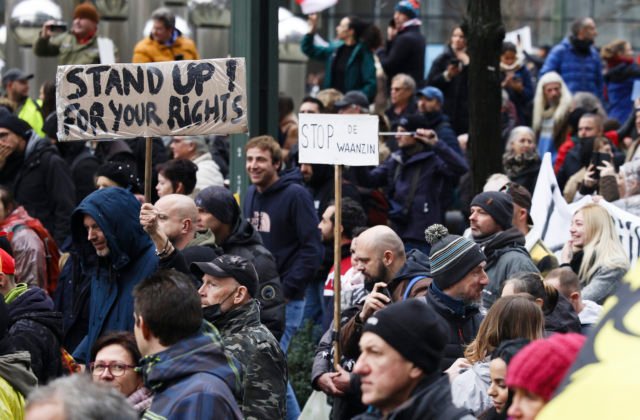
(103, 252)
(381, 275)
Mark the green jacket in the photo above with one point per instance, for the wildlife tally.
(30, 112)
(264, 365)
(361, 70)
(68, 50)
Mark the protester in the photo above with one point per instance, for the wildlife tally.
(430, 103)
(400, 364)
(457, 268)
(559, 315)
(311, 105)
(509, 318)
(218, 211)
(516, 80)
(228, 291)
(449, 73)
(39, 178)
(109, 219)
(173, 218)
(403, 100)
(594, 253)
(165, 42)
(405, 47)
(577, 60)
(589, 180)
(537, 370)
(79, 45)
(503, 244)
(195, 149)
(76, 397)
(620, 75)
(176, 176)
(551, 107)
(498, 391)
(521, 162)
(206, 387)
(114, 359)
(415, 176)
(568, 284)
(349, 61)
(33, 325)
(15, 83)
(118, 174)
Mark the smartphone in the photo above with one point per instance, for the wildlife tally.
(597, 158)
(385, 291)
(455, 62)
(58, 27)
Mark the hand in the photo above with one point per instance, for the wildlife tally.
(607, 169)
(374, 302)
(326, 385)
(149, 218)
(452, 71)
(516, 84)
(342, 380)
(5, 151)
(457, 367)
(463, 57)
(463, 141)
(312, 20)
(391, 33)
(46, 29)
(567, 252)
(589, 180)
(427, 136)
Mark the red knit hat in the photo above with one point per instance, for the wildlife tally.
(540, 366)
(7, 264)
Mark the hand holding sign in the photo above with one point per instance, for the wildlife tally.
(427, 136)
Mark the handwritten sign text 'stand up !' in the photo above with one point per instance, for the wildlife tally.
(157, 99)
(338, 139)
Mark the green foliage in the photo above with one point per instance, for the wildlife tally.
(300, 360)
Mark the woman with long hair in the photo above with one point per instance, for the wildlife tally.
(509, 317)
(595, 253)
(620, 75)
(521, 161)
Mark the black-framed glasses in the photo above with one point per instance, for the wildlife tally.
(115, 368)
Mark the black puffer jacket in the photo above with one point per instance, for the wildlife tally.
(36, 328)
(462, 322)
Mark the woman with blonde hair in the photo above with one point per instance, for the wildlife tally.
(510, 317)
(595, 253)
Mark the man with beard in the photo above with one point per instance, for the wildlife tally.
(229, 284)
(577, 60)
(430, 103)
(492, 229)
(16, 86)
(389, 277)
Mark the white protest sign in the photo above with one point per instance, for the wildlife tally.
(334, 139)
(552, 215)
(154, 99)
(521, 38)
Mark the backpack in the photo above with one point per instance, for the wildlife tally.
(52, 253)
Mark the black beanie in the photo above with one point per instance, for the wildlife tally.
(452, 256)
(16, 125)
(414, 330)
(220, 202)
(499, 205)
(122, 174)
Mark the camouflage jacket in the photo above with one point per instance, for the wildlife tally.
(264, 364)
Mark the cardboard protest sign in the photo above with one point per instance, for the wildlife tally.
(155, 99)
(338, 139)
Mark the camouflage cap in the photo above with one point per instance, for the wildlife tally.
(233, 266)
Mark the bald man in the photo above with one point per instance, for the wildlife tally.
(389, 277)
(173, 218)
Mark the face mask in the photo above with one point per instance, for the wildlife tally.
(214, 312)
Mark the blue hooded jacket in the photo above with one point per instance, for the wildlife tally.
(131, 259)
(193, 379)
(288, 224)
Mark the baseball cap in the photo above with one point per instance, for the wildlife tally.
(14, 74)
(431, 92)
(233, 266)
(353, 97)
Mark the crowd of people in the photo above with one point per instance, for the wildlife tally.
(185, 306)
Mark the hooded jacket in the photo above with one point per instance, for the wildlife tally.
(193, 378)
(581, 72)
(284, 216)
(360, 73)
(434, 165)
(43, 185)
(36, 328)
(430, 400)
(16, 382)
(131, 258)
(246, 242)
(259, 354)
(506, 256)
(619, 82)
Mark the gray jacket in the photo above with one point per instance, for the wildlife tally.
(603, 283)
(469, 389)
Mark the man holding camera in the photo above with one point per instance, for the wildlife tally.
(79, 45)
(166, 42)
(415, 175)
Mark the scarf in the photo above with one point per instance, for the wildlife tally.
(582, 46)
(409, 23)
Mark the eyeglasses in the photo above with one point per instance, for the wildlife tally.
(115, 368)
